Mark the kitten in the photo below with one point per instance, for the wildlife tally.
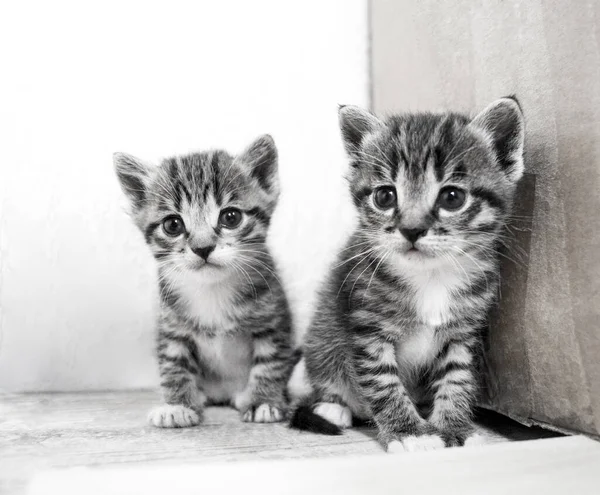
(397, 335)
(224, 328)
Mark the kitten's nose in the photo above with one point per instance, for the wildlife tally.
(413, 234)
(204, 252)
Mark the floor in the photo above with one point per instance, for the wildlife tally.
(43, 431)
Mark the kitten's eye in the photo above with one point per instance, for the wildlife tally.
(451, 198)
(230, 218)
(173, 226)
(385, 197)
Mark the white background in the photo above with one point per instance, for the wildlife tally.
(81, 80)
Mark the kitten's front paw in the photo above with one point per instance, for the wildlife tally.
(476, 440)
(414, 443)
(424, 438)
(263, 413)
(173, 416)
(456, 437)
(395, 447)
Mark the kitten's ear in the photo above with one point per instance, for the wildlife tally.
(134, 176)
(503, 122)
(355, 124)
(261, 158)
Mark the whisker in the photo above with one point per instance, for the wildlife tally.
(264, 265)
(360, 275)
(350, 272)
(459, 265)
(378, 163)
(383, 258)
(241, 270)
(354, 257)
(354, 245)
(257, 271)
(496, 252)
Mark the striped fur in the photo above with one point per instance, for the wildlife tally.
(396, 337)
(224, 328)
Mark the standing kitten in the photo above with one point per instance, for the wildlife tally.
(224, 329)
(396, 337)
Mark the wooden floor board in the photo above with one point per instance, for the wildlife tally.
(42, 431)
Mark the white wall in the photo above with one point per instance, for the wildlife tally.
(83, 80)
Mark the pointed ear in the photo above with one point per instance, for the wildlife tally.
(356, 123)
(503, 122)
(261, 158)
(134, 176)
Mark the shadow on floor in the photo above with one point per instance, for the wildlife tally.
(508, 428)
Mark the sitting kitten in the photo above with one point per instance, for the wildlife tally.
(224, 329)
(396, 338)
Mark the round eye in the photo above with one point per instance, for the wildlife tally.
(230, 218)
(173, 226)
(451, 198)
(385, 197)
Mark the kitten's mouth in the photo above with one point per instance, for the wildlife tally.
(416, 253)
(412, 250)
(206, 265)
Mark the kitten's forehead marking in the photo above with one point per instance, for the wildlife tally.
(203, 219)
(417, 193)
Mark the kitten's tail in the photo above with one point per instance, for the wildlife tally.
(304, 418)
(303, 401)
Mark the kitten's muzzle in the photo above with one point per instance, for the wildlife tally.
(203, 252)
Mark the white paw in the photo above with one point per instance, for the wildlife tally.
(334, 413)
(265, 413)
(169, 416)
(477, 439)
(395, 447)
(414, 443)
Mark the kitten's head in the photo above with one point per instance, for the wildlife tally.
(431, 187)
(204, 213)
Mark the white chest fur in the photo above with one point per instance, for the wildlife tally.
(432, 302)
(433, 293)
(226, 355)
(418, 348)
(229, 359)
(211, 304)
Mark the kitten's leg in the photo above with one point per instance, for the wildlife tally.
(401, 428)
(454, 390)
(179, 369)
(263, 400)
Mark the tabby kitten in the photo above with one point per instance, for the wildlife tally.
(224, 328)
(397, 334)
